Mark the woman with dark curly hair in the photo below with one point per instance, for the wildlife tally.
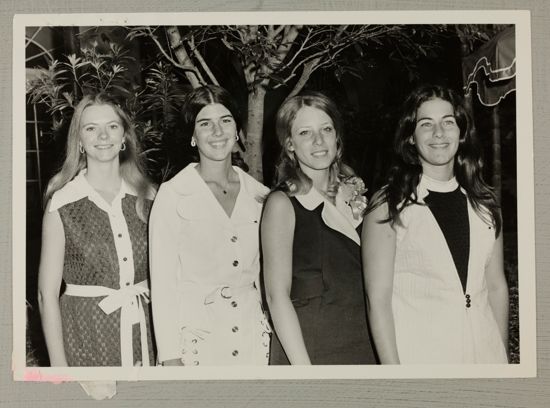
(312, 258)
(432, 243)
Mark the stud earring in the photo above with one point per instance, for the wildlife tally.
(237, 137)
(193, 143)
(123, 147)
(81, 148)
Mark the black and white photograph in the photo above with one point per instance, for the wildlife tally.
(273, 195)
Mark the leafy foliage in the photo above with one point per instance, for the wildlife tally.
(152, 102)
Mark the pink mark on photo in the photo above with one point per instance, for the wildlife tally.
(37, 375)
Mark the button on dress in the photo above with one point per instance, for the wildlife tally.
(205, 268)
(436, 319)
(105, 250)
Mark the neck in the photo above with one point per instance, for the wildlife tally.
(319, 178)
(104, 176)
(439, 173)
(218, 171)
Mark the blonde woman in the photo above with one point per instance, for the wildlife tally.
(95, 241)
(310, 243)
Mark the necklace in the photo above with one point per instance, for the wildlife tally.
(224, 189)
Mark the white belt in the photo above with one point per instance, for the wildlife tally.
(128, 299)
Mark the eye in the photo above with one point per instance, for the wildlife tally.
(227, 119)
(328, 129)
(114, 126)
(426, 125)
(89, 128)
(449, 122)
(304, 132)
(204, 124)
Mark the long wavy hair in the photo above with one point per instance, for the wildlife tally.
(200, 97)
(289, 177)
(132, 168)
(404, 175)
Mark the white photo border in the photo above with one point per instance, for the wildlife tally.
(525, 199)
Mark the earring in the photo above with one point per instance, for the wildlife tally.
(237, 137)
(81, 148)
(123, 147)
(193, 143)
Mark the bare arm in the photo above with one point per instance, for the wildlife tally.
(49, 284)
(378, 249)
(498, 289)
(277, 232)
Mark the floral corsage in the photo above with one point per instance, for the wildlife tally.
(352, 190)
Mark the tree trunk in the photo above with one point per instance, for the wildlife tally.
(254, 131)
(176, 43)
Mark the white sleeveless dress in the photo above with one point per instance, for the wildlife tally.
(434, 321)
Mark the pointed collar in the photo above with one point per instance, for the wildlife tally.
(79, 188)
(339, 217)
(198, 202)
(189, 182)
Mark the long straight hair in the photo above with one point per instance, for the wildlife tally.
(132, 168)
(289, 177)
(405, 173)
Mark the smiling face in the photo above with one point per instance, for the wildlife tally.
(215, 131)
(313, 140)
(101, 133)
(436, 138)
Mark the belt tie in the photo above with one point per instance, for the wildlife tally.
(128, 299)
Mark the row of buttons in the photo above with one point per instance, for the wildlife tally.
(125, 259)
(468, 301)
(235, 262)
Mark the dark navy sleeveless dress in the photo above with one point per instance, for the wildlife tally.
(327, 293)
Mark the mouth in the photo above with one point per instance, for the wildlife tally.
(439, 145)
(320, 153)
(218, 144)
(103, 146)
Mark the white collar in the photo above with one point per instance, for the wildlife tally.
(79, 187)
(428, 184)
(337, 216)
(188, 182)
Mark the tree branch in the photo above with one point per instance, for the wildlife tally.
(185, 63)
(201, 60)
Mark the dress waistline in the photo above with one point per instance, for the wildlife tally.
(212, 293)
(128, 300)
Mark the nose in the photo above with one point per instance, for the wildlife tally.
(103, 133)
(217, 129)
(317, 138)
(438, 130)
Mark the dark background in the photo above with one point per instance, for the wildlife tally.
(369, 99)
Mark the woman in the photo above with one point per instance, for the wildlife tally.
(310, 245)
(432, 247)
(204, 247)
(95, 240)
